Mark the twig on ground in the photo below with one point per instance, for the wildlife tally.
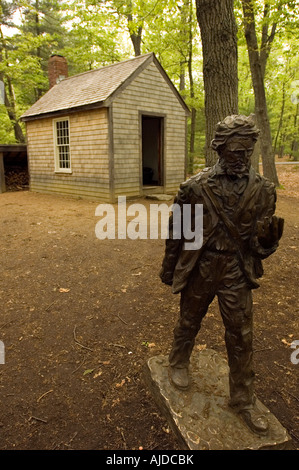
(289, 393)
(123, 437)
(38, 419)
(77, 342)
(77, 368)
(118, 316)
(49, 306)
(117, 345)
(43, 395)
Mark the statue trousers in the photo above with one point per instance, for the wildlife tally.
(219, 274)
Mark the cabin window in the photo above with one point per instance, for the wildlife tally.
(62, 145)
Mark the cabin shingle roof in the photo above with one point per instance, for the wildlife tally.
(86, 89)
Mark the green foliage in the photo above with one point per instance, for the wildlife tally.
(246, 94)
(7, 9)
(24, 67)
(93, 33)
(282, 73)
(24, 54)
(93, 38)
(6, 128)
(276, 24)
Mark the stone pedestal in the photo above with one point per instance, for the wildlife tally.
(200, 417)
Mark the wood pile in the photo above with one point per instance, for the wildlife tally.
(16, 179)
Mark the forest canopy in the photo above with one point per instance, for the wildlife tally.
(94, 33)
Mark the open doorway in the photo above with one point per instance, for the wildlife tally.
(152, 150)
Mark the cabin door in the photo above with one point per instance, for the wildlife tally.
(152, 150)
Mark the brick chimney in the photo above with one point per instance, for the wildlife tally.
(57, 69)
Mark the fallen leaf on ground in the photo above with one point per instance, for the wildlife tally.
(88, 371)
(97, 374)
(121, 383)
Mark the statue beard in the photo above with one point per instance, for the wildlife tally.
(236, 171)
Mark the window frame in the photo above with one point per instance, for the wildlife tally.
(59, 169)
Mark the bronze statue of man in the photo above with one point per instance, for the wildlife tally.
(239, 230)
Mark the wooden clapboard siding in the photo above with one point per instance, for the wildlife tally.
(89, 149)
(105, 136)
(148, 93)
(86, 190)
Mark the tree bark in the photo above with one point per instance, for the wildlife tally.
(135, 36)
(9, 100)
(220, 68)
(267, 39)
(257, 68)
(136, 41)
(11, 111)
(192, 93)
(255, 158)
(182, 76)
(280, 118)
(295, 144)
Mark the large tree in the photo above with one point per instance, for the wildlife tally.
(138, 15)
(258, 59)
(173, 36)
(220, 64)
(7, 94)
(188, 30)
(42, 22)
(93, 38)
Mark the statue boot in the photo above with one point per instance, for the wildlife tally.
(255, 419)
(179, 376)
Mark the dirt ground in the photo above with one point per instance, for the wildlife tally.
(80, 316)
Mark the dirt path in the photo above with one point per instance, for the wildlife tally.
(80, 316)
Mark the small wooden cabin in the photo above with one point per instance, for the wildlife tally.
(118, 130)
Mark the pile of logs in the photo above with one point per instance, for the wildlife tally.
(16, 179)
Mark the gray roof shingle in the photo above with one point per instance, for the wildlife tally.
(88, 88)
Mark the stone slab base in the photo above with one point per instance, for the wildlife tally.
(200, 417)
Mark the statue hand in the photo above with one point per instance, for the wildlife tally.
(269, 231)
(166, 277)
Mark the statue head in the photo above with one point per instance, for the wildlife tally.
(234, 141)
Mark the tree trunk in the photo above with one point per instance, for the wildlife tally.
(38, 91)
(135, 35)
(182, 76)
(255, 158)
(9, 100)
(220, 69)
(257, 69)
(281, 150)
(136, 41)
(281, 118)
(295, 145)
(10, 108)
(184, 35)
(192, 94)
(269, 169)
